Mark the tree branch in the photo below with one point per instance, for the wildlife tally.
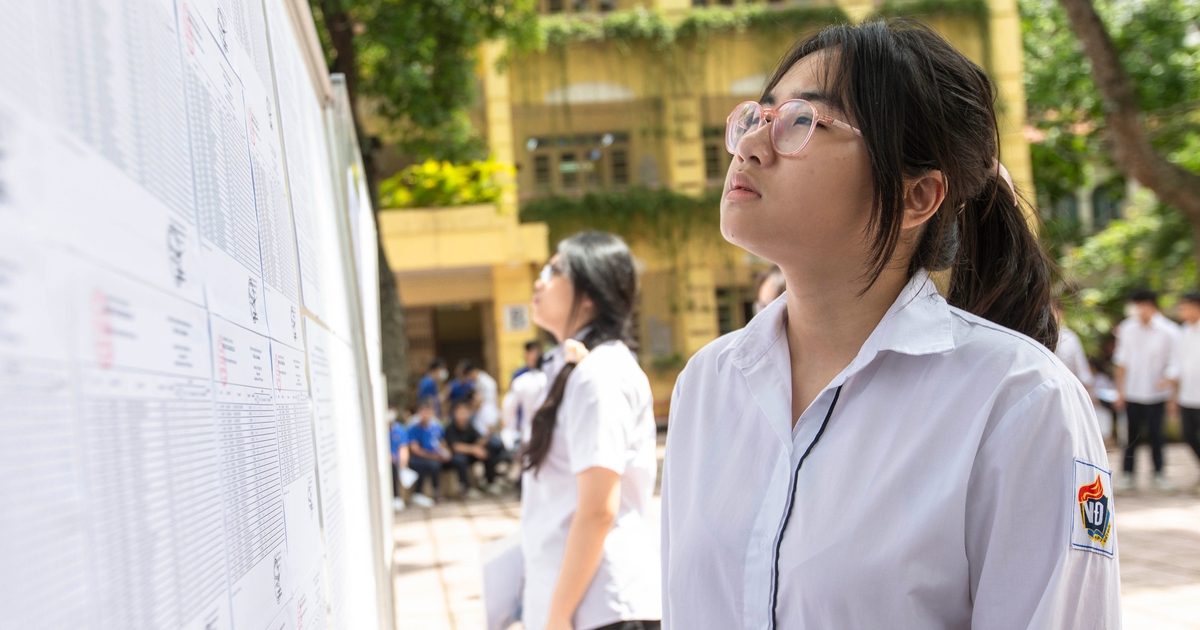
(1132, 151)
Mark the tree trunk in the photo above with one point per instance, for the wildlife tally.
(1132, 151)
(391, 313)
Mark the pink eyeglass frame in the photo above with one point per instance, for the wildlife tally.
(771, 112)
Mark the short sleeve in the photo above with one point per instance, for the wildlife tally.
(596, 417)
(1033, 562)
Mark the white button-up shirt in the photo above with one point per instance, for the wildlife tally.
(1145, 352)
(1185, 366)
(522, 400)
(606, 419)
(959, 481)
(489, 405)
(1070, 351)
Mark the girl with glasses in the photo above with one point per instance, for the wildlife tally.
(871, 451)
(590, 556)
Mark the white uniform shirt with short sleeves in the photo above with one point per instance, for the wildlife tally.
(489, 404)
(1185, 366)
(960, 481)
(606, 419)
(1144, 350)
(524, 397)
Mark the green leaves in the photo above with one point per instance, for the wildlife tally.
(1153, 248)
(416, 62)
(438, 184)
(1160, 50)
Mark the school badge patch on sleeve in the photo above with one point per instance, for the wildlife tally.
(1093, 515)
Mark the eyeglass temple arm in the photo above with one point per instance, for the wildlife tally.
(847, 126)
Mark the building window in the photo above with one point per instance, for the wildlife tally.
(735, 307)
(568, 168)
(620, 167)
(716, 158)
(579, 162)
(712, 161)
(541, 171)
(725, 312)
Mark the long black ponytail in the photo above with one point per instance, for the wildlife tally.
(923, 106)
(600, 267)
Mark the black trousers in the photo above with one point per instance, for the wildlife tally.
(1144, 419)
(1191, 428)
(396, 480)
(461, 462)
(633, 625)
(425, 469)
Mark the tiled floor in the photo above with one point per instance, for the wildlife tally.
(438, 554)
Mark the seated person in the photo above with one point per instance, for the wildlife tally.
(427, 452)
(469, 446)
(399, 440)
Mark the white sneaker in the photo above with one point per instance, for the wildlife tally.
(398, 504)
(1125, 483)
(474, 494)
(1161, 484)
(421, 500)
(493, 489)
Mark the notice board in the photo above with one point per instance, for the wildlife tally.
(190, 391)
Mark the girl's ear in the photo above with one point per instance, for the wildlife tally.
(922, 198)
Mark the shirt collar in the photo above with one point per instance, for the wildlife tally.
(917, 323)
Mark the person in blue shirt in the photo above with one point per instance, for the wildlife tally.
(428, 451)
(399, 439)
(431, 384)
(533, 356)
(463, 386)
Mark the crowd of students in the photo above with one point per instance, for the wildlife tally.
(1153, 372)
(457, 424)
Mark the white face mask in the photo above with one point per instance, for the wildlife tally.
(392, 414)
(443, 374)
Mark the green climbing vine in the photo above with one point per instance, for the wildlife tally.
(977, 9)
(639, 26)
(664, 218)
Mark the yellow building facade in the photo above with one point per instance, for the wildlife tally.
(635, 94)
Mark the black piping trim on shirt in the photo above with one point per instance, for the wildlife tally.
(787, 515)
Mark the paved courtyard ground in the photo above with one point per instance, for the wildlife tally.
(437, 577)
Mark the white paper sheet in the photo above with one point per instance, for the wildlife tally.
(43, 565)
(310, 179)
(152, 455)
(252, 491)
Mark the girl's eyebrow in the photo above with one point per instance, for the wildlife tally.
(810, 95)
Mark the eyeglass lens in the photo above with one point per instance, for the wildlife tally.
(790, 129)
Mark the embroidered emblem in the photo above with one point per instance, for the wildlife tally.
(1093, 507)
(1093, 523)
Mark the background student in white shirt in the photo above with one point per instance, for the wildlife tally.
(1143, 353)
(866, 453)
(591, 561)
(1185, 371)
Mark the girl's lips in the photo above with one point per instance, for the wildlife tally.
(741, 194)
